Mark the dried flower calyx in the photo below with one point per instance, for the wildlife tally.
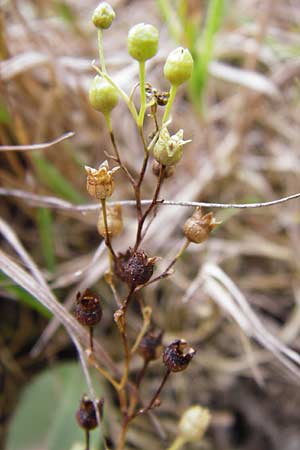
(198, 227)
(100, 183)
(174, 356)
(168, 149)
(134, 267)
(114, 221)
(87, 309)
(150, 347)
(86, 413)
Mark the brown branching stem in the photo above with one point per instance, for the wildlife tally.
(150, 208)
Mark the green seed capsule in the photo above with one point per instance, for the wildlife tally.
(179, 66)
(168, 149)
(103, 16)
(142, 41)
(102, 95)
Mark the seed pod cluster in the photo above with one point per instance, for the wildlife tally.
(86, 413)
(114, 221)
(87, 309)
(198, 227)
(134, 267)
(150, 347)
(174, 356)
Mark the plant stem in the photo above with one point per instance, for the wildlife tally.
(171, 99)
(116, 150)
(147, 311)
(101, 50)
(156, 395)
(91, 339)
(143, 94)
(149, 209)
(87, 439)
(177, 444)
(165, 273)
(107, 237)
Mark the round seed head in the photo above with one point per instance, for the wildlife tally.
(87, 309)
(86, 414)
(134, 267)
(179, 66)
(142, 41)
(174, 357)
(103, 96)
(103, 16)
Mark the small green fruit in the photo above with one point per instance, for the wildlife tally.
(168, 149)
(102, 95)
(179, 66)
(142, 41)
(103, 15)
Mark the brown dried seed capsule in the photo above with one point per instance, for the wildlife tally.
(150, 347)
(134, 267)
(100, 183)
(156, 167)
(198, 227)
(86, 413)
(174, 357)
(162, 98)
(87, 309)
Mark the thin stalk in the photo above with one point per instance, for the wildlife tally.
(166, 273)
(156, 395)
(149, 209)
(106, 238)
(171, 99)
(101, 50)
(116, 150)
(178, 443)
(102, 371)
(142, 93)
(92, 339)
(87, 439)
(147, 311)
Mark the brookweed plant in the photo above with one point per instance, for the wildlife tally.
(134, 267)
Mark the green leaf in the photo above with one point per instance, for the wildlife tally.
(51, 177)
(45, 416)
(23, 296)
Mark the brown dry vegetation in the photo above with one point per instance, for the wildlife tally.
(245, 149)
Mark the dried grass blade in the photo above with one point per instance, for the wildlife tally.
(25, 148)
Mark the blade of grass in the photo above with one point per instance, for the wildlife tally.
(23, 296)
(204, 55)
(53, 179)
(45, 226)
